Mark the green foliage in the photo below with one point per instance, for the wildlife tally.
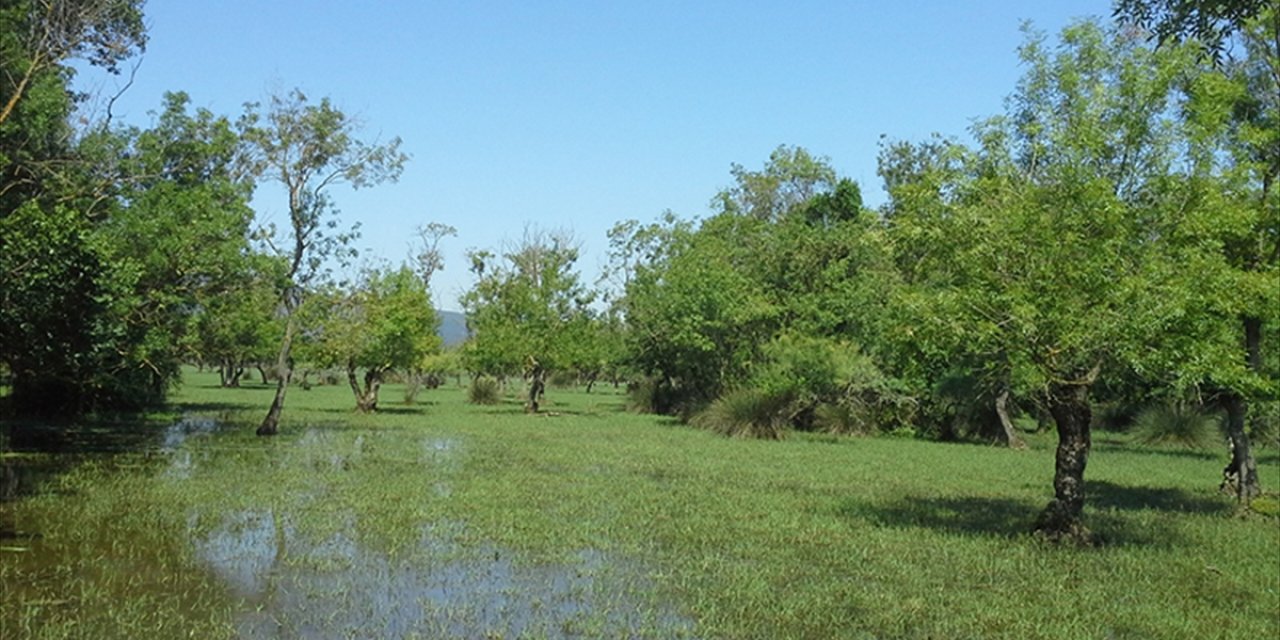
(484, 390)
(1177, 424)
(748, 413)
(527, 312)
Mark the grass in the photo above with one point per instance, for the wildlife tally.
(447, 519)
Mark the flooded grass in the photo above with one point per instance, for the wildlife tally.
(447, 520)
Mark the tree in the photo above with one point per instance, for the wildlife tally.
(1232, 120)
(308, 148)
(791, 177)
(1042, 266)
(108, 256)
(387, 323)
(37, 36)
(527, 310)
(1211, 22)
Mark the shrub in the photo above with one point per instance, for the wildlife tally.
(844, 418)
(484, 390)
(748, 413)
(1176, 424)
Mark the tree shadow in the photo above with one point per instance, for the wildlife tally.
(1102, 494)
(999, 518)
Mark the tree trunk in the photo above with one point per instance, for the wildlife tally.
(1061, 519)
(367, 397)
(536, 387)
(1240, 475)
(262, 371)
(284, 368)
(1009, 437)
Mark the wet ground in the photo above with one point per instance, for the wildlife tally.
(282, 579)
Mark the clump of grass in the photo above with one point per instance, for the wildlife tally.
(748, 413)
(484, 390)
(1176, 424)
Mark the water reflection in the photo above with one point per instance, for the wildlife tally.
(335, 587)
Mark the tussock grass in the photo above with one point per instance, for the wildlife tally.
(484, 390)
(1177, 425)
(605, 523)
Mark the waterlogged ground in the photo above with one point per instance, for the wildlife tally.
(447, 520)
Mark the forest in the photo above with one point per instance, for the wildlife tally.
(1103, 254)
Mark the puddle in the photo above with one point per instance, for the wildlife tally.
(335, 587)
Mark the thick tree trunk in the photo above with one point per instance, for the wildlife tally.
(1061, 519)
(1009, 437)
(284, 368)
(537, 385)
(1240, 476)
(367, 397)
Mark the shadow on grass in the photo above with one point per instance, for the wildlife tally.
(1102, 494)
(1005, 518)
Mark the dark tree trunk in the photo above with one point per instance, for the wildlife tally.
(262, 371)
(1061, 519)
(1240, 476)
(284, 368)
(537, 384)
(591, 381)
(229, 373)
(1009, 437)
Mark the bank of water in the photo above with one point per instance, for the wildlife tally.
(195, 529)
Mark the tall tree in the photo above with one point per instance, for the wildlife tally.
(308, 148)
(1042, 263)
(37, 36)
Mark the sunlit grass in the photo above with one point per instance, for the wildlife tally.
(447, 519)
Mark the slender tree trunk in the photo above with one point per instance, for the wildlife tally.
(284, 368)
(1008, 435)
(262, 371)
(1061, 519)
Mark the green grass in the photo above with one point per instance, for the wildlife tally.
(447, 519)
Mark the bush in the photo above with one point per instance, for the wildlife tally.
(1176, 424)
(748, 413)
(484, 390)
(844, 418)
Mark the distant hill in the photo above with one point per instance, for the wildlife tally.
(453, 327)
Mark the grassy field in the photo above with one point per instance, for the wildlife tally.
(444, 519)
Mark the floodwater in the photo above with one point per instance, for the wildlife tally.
(283, 582)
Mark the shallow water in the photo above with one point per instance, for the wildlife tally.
(284, 576)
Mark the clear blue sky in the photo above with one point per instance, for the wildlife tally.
(575, 115)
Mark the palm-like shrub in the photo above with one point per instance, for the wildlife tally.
(484, 390)
(748, 413)
(1176, 424)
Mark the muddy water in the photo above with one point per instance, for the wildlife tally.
(278, 579)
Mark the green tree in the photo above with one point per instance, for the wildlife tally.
(387, 323)
(1210, 22)
(38, 36)
(527, 311)
(1042, 267)
(308, 148)
(108, 256)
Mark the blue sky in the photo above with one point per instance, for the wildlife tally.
(575, 115)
